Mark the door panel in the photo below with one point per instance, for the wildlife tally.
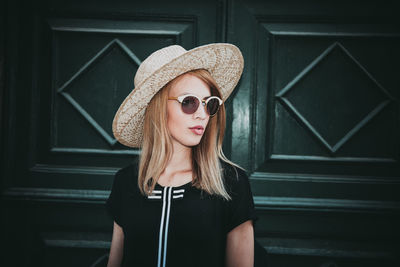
(317, 117)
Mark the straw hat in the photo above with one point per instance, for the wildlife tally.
(223, 61)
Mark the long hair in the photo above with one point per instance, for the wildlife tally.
(157, 144)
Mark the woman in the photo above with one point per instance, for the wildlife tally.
(184, 203)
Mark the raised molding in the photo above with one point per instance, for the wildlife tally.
(69, 150)
(65, 243)
(182, 30)
(319, 29)
(116, 43)
(326, 205)
(77, 239)
(45, 168)
(57, 195)
(170, 28)
(281, 96)
(272, 27)
(261, 202)
(299, 177)
(326, 248)
(332, 159)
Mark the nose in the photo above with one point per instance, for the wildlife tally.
(201, 112)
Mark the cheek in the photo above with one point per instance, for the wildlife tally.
(207, 121)
(174, 119)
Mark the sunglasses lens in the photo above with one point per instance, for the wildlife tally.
(190, 104)
(212, 106)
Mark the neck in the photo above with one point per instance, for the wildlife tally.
(181, 159)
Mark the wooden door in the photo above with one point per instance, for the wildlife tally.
(314, 120)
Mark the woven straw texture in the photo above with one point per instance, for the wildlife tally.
(223, 61)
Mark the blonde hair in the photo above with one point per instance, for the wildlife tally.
(157, 144)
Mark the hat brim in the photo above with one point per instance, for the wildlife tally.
(223, 61)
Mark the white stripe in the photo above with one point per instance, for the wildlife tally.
(161, 229)
(156, 197)
(157, 191)
(179, 191)
(166, 227)
(178, 196)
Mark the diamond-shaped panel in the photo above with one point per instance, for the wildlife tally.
(334, 97)
(94, 89)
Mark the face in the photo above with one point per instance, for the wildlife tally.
(187, 129)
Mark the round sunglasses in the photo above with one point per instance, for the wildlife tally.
(190, 103)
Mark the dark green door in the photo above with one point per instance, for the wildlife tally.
(314, 120)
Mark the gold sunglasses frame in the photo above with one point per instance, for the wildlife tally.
(203, 102)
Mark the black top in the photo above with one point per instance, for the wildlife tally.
(178, 226)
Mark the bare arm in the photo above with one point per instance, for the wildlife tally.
(240, 246)
(117, 247)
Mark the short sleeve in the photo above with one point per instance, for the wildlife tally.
(241, 206)
(114, 201)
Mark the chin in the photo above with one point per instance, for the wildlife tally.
(191, 142)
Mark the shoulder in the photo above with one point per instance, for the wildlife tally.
(127, 170)
(233, 176)
(126, 176)
(232, 171)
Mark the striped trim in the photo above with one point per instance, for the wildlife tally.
(167, 195)
(164, 223)
(179, 191)
(161, 227)
(166, 227)
(155, 194)
(158, 194)
(154, 197)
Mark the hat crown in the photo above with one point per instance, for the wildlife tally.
(156, 60)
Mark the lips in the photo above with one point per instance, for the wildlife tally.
(198, 129)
